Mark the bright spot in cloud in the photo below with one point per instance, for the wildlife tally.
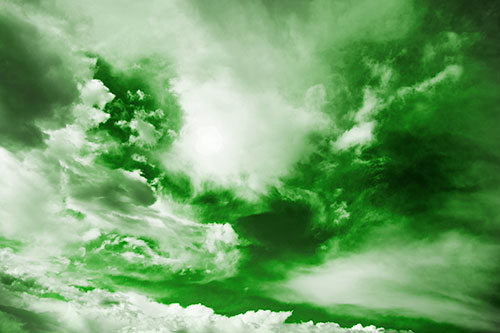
(208, 140)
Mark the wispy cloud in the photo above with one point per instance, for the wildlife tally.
(407, 278)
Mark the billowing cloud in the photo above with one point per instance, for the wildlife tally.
(60, 198)
(244, 69)
(100, 310)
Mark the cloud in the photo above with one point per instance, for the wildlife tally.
(131, 312)
(364, 20)
(381, 97)
(260, 117)
(36, 83)
(228, 131)
(17, 320)
(94, 93)
(200, 152)
(451, 72)
(424, 279)
(358, 135)
(58, 194)
(25, 208)
(10, 324)
(246, 90)
(34, 298)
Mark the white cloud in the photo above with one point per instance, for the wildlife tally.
(133, 313)
(99, 310)
(375, 99)
(237, 136)
(250, 85)
(59, 199)
(147, 134)
(248, 110)
(95, 93)
(362, 132)
(441, 280)
(451, 72)
(25, 209)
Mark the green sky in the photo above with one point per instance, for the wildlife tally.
(249, 166)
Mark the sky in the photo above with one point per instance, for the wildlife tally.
(249, 166)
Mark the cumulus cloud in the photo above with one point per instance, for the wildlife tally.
(94, 93)
(100, 310)
(135, 313)
(34, 297)
(59, 194)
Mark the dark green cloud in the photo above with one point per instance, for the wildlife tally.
(36, 85)
(18, 320)
(115, 192)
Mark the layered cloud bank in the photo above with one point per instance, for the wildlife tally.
(264, 166)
